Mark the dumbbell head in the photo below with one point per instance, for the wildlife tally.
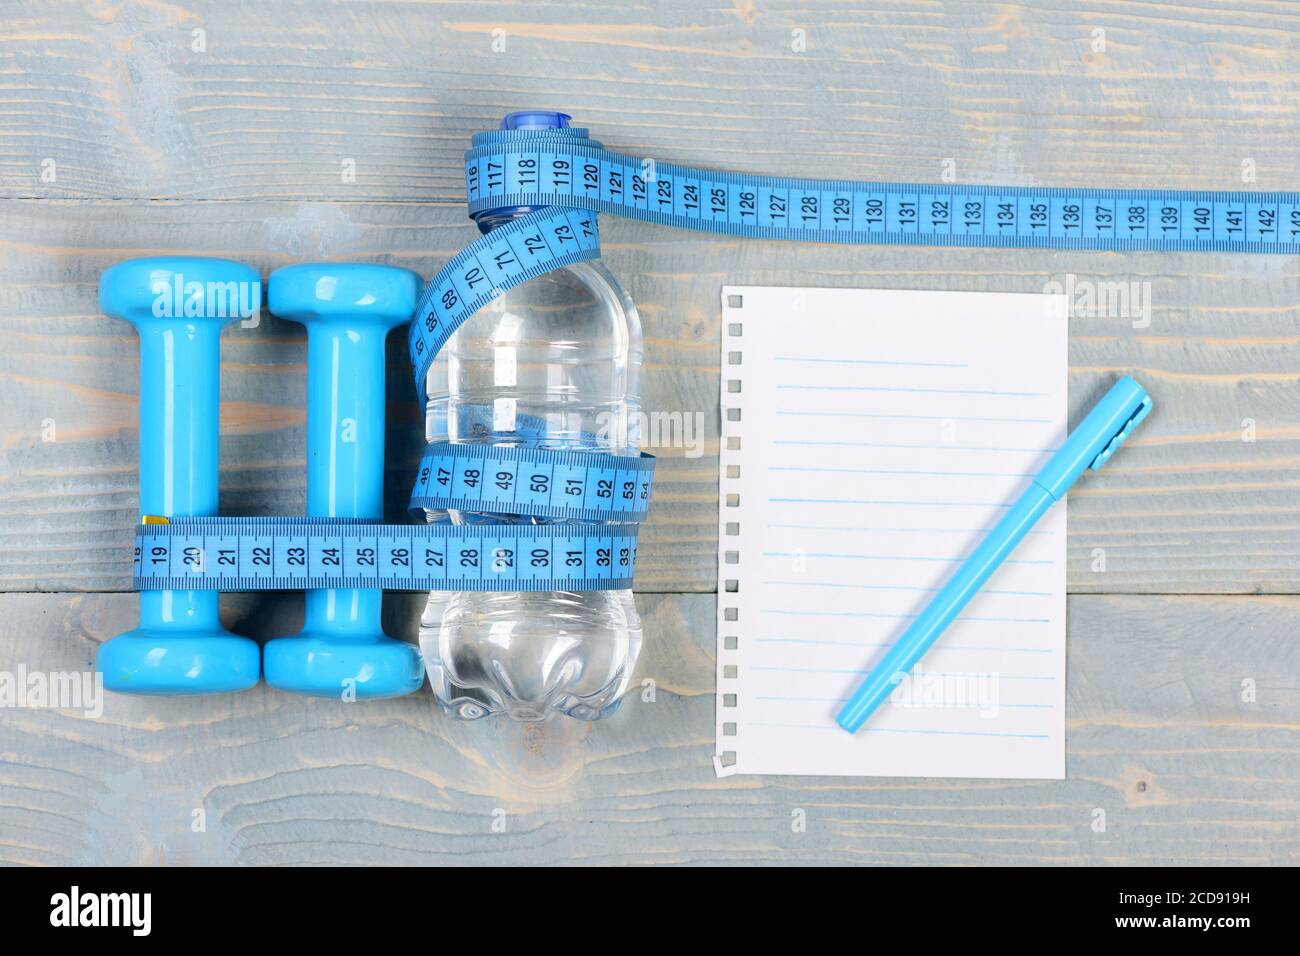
(348, 309)
(177, 289)
(179, 305)
(343, 658)
(186, 651)
(347, 292)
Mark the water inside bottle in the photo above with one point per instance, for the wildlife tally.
(551, 364)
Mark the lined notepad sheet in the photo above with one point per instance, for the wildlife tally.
(869, 439)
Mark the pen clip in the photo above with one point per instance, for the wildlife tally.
(1134, 420)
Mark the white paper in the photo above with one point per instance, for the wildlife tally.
(869, 439)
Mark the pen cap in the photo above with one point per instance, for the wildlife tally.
(1097, 436)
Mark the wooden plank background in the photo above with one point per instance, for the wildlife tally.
(125, 132)
(1159, 741)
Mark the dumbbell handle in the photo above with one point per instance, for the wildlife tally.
(345, 453)
(348, 309)
(180, 369)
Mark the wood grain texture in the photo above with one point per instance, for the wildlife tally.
(119, 138)
(118, 96)
(1188, 507)
(1158, 737)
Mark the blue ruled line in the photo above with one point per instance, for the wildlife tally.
(903, 471)
(943, 649)
(897, 730)
(866, 670)
(895, 587)
(844, 361)
(856, 528)
(904, 617)
(914, 390)
(945, 559)
(879, 444)
(887, 501)
(921, 418)
(840, 700)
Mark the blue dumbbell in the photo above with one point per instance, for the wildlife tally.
(179, 305)
(348, 309)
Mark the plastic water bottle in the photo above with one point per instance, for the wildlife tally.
(552, 363)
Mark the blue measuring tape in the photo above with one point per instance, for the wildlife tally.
(533, 482)
(568, 178)
(290, 554)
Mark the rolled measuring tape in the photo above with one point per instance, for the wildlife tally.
(533, 482)
(567, 178)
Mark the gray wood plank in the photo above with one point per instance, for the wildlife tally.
(1159, 738)
(245, 142)
(277, 100)
(1188, 506)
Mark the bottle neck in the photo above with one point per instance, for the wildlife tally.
(499, 217)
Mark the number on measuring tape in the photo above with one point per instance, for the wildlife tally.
(541, 483)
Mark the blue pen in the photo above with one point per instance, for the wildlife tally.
(1089, 446)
